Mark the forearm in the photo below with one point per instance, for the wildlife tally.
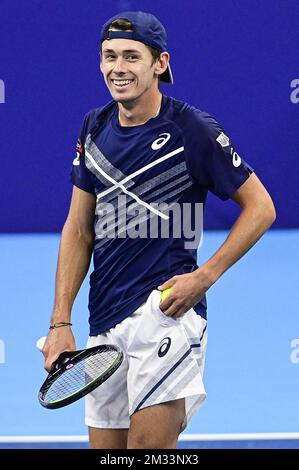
(73, 263)
(249, 227)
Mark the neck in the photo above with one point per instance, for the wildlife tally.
(140, 111)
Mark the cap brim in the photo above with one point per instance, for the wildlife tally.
(167, 76)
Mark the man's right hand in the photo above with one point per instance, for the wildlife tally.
(58, 340)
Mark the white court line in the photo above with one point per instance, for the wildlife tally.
(182, 438)
(240, 437)
(39, 439)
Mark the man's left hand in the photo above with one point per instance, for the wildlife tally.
(187, 290)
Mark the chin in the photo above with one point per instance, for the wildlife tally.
(123, 98)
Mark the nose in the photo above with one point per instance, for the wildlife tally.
(119, 66)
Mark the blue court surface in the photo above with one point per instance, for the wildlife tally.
(252, 366)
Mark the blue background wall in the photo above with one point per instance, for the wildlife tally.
(235, 59)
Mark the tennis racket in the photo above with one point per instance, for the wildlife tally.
(76, 373)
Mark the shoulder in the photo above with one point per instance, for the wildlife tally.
(191, 119)
(94, 117)
(96, 114)
(198, 128)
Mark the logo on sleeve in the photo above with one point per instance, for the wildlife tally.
(223, 140)
(158, 143)
(236, 158)
(79, 152)
(164, 348)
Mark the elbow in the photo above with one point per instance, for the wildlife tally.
(89, 238)
(86, 236)
(272, 212)
(269, 212)
(273, 215)
(263, 211)
(79, 234)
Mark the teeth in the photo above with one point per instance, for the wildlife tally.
(121, 82)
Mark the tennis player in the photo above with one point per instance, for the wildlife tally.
(144, 165)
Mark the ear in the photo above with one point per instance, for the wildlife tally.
(101, 65)
(162, 63)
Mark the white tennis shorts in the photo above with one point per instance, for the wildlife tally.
(163, 361)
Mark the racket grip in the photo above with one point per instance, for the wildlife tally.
(63, 358)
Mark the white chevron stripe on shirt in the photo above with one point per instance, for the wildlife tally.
(141, 170)
(120, 185)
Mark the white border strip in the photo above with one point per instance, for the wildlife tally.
(183, 437)
(240, 437)
(41, 439)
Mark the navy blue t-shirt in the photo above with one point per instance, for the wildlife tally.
(151, 182)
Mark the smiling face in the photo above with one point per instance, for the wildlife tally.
(129, 70)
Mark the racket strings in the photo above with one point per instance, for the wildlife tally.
(80, 375)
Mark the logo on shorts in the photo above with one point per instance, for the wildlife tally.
(164, 348)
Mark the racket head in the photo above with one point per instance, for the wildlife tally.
(77, 373)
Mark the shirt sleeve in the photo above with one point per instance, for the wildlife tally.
(80, 174)
(212, 159)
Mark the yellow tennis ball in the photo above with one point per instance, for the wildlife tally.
(165, 293)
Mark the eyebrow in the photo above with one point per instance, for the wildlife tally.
(126, 51)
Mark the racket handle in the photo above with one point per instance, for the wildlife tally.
(40, 343)
(63, 358)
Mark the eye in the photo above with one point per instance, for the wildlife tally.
(132, 57)
(109, 57)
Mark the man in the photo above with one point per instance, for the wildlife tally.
(152, 154)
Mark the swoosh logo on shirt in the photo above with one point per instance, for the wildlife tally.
(76, 160)
(158, 143)
(236, 158)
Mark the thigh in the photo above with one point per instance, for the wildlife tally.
(157, 427)
(107, 438)
(106, 407)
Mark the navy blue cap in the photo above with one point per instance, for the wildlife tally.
(146, 28)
